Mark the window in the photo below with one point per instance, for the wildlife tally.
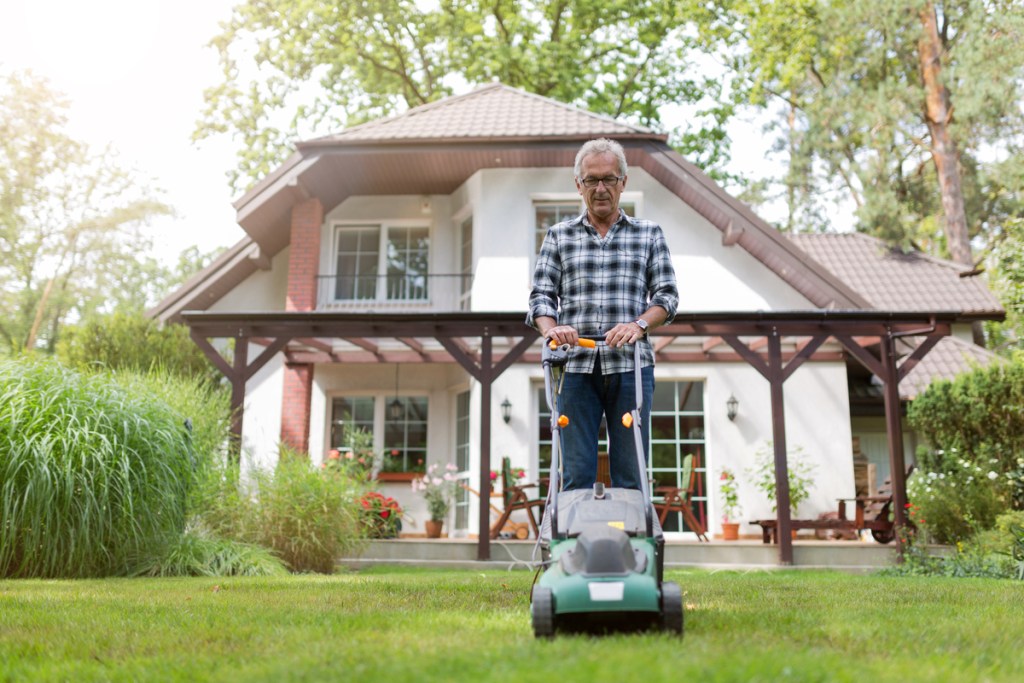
(677, 429)
(548, 212)
(379, 262)
(399, 430)
(462, 503)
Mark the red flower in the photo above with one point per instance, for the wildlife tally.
(385, 513)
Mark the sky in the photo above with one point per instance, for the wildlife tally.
(134, 72)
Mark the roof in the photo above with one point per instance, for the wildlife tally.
(489, 112)
(893, 280)
(949, 358)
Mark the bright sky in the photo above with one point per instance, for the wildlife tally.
(134, 72)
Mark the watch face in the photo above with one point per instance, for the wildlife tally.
(642, 324)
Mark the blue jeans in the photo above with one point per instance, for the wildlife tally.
(584, 399)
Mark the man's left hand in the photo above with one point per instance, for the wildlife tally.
(622, 334)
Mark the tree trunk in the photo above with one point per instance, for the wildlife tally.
(938, 114)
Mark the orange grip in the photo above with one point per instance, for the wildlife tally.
(627, 420)
(563, 421)
(585, 343)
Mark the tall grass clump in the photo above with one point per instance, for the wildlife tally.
(308, 516)
(94, 474)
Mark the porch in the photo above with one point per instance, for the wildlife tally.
(742, 555)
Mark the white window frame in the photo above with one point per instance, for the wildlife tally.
(384, 226)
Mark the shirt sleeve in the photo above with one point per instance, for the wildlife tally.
(546, 276)
(661, 276)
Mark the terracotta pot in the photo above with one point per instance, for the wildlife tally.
(434, 528)
(730, 531)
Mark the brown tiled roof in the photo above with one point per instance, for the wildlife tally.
(949, 358)
(493, 111)
(892, 280)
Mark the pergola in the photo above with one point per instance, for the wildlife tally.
(469, 340)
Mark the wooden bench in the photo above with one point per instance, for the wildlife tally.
(871, 513)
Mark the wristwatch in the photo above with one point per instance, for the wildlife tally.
(642, 324)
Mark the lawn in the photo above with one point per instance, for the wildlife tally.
(391, 624)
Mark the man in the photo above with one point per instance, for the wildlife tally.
(607, 275)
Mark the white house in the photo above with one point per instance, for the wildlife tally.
(433, 218)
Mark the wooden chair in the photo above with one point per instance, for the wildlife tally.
(675, 499)
(515, 498)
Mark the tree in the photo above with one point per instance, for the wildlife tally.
(298, 69)
(70, 221)
(898, 107)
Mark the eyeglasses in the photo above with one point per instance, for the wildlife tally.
(609, 181)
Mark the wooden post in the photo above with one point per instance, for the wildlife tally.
(238, 377)
(776, 377)
(486, 371)
(894, 433)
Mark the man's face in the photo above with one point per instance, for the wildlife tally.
(602, 201)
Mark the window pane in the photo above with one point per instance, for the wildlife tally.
(407, 259)
(356, 262)
(348, 414)
(405, 434)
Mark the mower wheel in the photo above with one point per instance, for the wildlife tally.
(542, 609)
(671, 608)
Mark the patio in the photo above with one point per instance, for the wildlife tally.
(745, 554)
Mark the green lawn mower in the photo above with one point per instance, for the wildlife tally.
(602, 549)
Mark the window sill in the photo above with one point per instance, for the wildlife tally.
(398, 476)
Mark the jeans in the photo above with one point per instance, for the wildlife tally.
(584, 399)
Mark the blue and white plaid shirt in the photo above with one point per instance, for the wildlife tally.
(594, 283)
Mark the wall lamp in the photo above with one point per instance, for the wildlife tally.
(506, 410)
(732, 407)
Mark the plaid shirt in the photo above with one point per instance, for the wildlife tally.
(594, 283)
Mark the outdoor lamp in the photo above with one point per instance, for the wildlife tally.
(395, 407)
(732, 406)
(506, 410)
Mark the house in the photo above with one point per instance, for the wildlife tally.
(383, 280)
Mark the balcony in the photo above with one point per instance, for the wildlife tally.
(394, 293)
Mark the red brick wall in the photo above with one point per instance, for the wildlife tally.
(304, 255)
(303, 268)
(298, 386)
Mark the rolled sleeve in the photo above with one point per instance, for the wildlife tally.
(661, 277)
(546, 276)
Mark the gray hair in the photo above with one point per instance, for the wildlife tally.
(600, 146)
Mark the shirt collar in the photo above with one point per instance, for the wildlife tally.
(585, 222)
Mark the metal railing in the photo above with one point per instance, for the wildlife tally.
(402, 292)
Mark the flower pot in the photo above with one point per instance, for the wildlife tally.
(730, 531)
(434, 528)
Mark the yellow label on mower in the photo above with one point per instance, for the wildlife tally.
(617, 525)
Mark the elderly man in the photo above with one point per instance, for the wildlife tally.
(603, 275)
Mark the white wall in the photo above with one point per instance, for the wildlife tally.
(264, 290)
(261, 422)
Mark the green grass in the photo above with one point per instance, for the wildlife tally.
(425, 625)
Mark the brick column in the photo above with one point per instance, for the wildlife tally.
(298, 387)
(303, 268)
(304, 255)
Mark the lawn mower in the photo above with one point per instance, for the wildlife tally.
(602, 549)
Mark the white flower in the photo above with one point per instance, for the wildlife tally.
(992, 475)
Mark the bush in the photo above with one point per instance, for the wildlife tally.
(94, 476)
(307, 517)
(197, 553)
(954, 505)
(131, 341)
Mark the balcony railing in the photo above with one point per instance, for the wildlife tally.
(404, 292)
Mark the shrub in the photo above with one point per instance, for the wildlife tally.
(197, 553)
(307, 517)
(956, 504)
(94, 475)
(131, 341)
(800, 479)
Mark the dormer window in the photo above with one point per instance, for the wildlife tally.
(381, 262)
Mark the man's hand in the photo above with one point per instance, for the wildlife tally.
(562, 334)
(622, 334)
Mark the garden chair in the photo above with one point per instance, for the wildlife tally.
(676, 499)
(514, 497)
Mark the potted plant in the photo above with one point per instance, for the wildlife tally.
(382, 515)
(729, 488)
(763, 475)
(439, 491)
